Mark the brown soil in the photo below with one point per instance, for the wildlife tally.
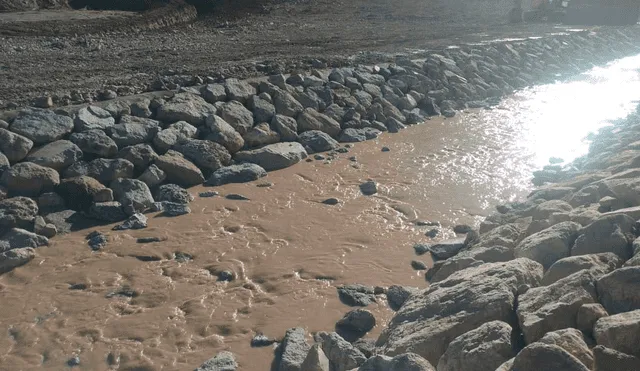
(283, 36)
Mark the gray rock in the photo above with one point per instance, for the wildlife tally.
(153, 176)
(14, 258)
(173, 193)
(95, 142)
(341, 354)
(447, 248)
(4, 124)
(41, 126)
(103, 169)
(57, 155)
(107, 211)
(223, 361)
(366, 346)
(398, 295)
(443, 269)
(172, 208)
(358, 135)
(261, 135)
(135, 221)
(133, 130)
(185, 107)
(215, 93)
(239, 90)
(51, 201)
(237, 115)
(115, 108)
(484, 348)
(207, 155)
(394, 125)
(550, 245)
(620, 332)
(600, 264)
(223, 133)
(274, 156)
(4, 163)
(607, 359)
(15, 147)
(317, 141)
(263, 110)
(619, 291)
(402, 362)
(132, 194)
(177, 133)
(430, 319)
(607, 234)
(96, 240)
(140, 108)
(572, 341)
(311, 119)
(17, 238)
(286, 126)
(359, 321)
(42, 228)
(588, 315)
(140, 155)
(538, 356)
(294, 349)
(241, 173)
(80, 192)
(369, 188)
(316, 360)
(554, 307)
(179, 170)
(29, 179)
(94, 118)
(286, 104)
(356, 295)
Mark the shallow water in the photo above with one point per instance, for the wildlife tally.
(288, 250)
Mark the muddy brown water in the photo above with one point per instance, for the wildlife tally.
(137, 308)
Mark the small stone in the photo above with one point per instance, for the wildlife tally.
(208, 194)
(462, 229)
(172, 208)
(418, 265)
(149, 239)
(356, 295)
(398, 295)
(420, 223)
(74, 361)
(236, 197)
(331, 201)
(386, 149)
(360, 321)
(261, 340)
(96, 240)
(42, 228)
(264, 185)
(369, 188)
(226, 276)
(342, 150)
(135, 221)
(182, 257)
(421, 249)
(353, 158)
(319, 157)
(432, 232)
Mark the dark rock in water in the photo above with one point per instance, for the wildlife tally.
(182, 256)
(264, 185)
(379, 290)
(17, 238)
(241, 173)
(353, 158)
(319, 157)
(427, 224)
(261, 340)
(173, 193)
(293, 350)
(78, 286)
(397, 295)
(446, 249)
(421, 249)
(274, 156)
(226, 276)
(355, 324)
(236, 197)
(317, 141)
(107, 211)
(96, 240)
(208, 194)
(369, 188)
(386, 149)
(351, 135)
(14, 258)
(331, 201)
(356, 295)
(418, 265)
(133, 194)
(124, 291)
(462, 229)
(73, 361)
(17, 212)
(342, 150)
(432, 232)
(171, 208)
(149, 239)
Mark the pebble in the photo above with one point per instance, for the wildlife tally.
(386, 149)
(353, 158)
(331, 201)
(319, 157)
(236, 197)
(264, 185)
(421, 249)
(432, 232)
(418, 265)
(73, 361)
(182, 257)
(369, 188)
(342, 150)
(97, 240)
(261, 340)
(208, 194)
(226, 276)
(309, 160)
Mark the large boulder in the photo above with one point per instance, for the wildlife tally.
(222, 133)
(274, 156)
(538, 356)
(619, 291)
(14, 258)
(103, 169)
(80, 192)
(15, 147)
(573, 342)
(484, 348)
(286, 126)
(311, 119)
(57, 155)
(294, 349)
(239, 90)
(17, 212)
(401, 362)
(29, 179)
(215, 93)
(132, 193)
(185, 107)
(263, 110)
(153, 176)
(620, 332)
(554, 307)
(430, 319)
(95, 142)
(317, 141)
(179, 170)
(177, 133)
(109, 212)
(240, 173)
(173, 193)
(550, 245)
(18, 238)
(207, 155)
(286, 104)
(342, 355)
(611, 360)
(607, 234)
(600, 264)
(140, 155)
(41, 126)
(237, 115)
(93, 118)
(132, 130)
(261, 135)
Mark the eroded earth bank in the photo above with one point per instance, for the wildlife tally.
(115, 255)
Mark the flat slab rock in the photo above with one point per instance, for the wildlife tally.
(446, 249)
(241, 173)
(274, 156)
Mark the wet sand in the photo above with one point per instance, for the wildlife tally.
(137, 307)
